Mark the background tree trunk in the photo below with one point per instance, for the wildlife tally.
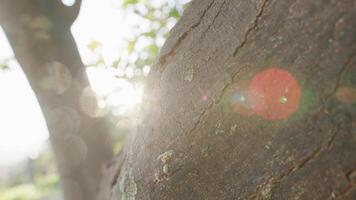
(39, 33)
(192, 144)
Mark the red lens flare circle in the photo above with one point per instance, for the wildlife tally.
(274, 94)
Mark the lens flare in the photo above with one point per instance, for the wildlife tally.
(346, 94)
(240, 100)
(274, 94)
(205, 98)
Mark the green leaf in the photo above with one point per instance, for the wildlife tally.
(126, 3)
(93, 45)
(131, 46)
(116, 63)
(100, 61)
(151, 34)
(4, 66)
(174, 13)
(152, 49)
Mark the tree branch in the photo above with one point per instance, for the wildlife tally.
(74, 10)
(69, 13)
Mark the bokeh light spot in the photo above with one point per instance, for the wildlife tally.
(346, 94)
(242, 98)
(204, 98)
(89, 104)
(57, 79)
(274, 94)
(239, 99)
(64, 121)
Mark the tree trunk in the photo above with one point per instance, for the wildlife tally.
(39, 33)
(197, 142)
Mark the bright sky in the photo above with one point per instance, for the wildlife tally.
(22, 127)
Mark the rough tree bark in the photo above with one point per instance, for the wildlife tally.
(39, 33)
(193, 145)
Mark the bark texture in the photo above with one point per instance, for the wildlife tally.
(193, 147)
(39, 33)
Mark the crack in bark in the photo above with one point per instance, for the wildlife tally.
(330, 141)
(324, 100)
(254, 26)
(164, 58)
(320, 148)
(350, 186)
(217, 101)
(345, 192)
(214, 102)
(325, 145)
(298, 166)
(314, 154)
(213, 21)
(340, 74)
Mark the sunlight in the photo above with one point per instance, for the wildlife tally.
(121, 95)
(18, 104)
(68, 2)
(22, 127)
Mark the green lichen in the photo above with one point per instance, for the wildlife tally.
(126, 181)
(166, 156)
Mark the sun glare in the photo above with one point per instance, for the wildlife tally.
(119, 94)
(18, 105)
(22, 127)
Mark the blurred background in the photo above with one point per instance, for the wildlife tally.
(118, 41)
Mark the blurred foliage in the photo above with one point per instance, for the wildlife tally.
(4, 63)
(21, 192)
(44, 183)
(155, 19)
